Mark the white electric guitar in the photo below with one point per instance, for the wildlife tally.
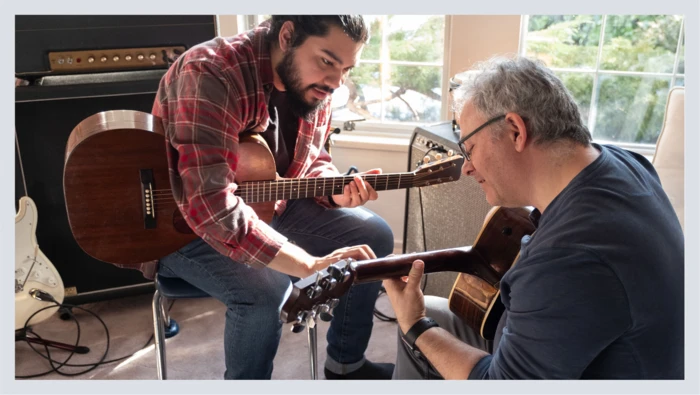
(33, 270)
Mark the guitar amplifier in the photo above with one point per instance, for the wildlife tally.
(76, 44)
(443, 216)
(47, 109)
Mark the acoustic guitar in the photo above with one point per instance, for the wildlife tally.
(119, 199)
(475, 296)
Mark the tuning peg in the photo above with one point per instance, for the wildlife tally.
(335, 272)
(331, 283)
(438, 156)
(332, 303)
(450, 153)
(296, 328)
(426, 159)
(325, 312)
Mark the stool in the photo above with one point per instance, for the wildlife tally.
(166, 327)
(163, 326)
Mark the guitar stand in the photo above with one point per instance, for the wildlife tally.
(313, 352)
(21, 335)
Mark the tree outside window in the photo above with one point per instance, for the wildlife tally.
(619, 68)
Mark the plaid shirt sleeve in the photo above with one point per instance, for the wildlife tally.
(203, 113)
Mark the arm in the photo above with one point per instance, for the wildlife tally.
(452, 358)
(564, 307)
(203, 113)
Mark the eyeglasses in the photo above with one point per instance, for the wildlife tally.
(467, 155)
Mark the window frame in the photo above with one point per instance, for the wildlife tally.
(641, 148)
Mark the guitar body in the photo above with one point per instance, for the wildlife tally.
(473, 298)
(28, 257)
(106, 195)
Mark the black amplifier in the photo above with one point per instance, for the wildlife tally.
(79, 44)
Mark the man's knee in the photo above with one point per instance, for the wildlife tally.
(378, 235)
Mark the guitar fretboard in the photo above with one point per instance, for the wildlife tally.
(267, 191)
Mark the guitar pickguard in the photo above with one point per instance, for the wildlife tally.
(32, 268)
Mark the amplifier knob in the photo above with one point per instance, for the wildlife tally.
(60, 60)
(103, 59)
(152, 56)
(91, 59)
(139, 57)
(115, 58)
(127, 57)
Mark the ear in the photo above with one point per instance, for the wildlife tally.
(517, 132)
(286, 35)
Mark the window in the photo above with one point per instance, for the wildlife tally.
(399, 79)
(619, 68)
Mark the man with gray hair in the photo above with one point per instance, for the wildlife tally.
(597, 290)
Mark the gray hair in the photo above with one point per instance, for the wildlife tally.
(529, 89)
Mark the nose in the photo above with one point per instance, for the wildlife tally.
(336, 79)
(467, 168)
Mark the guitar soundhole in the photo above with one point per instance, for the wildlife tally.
(180, 224)
(507, 231)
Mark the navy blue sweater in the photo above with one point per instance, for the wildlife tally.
(598, 290)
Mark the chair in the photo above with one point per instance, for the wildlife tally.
(669, 156)
(163, 326)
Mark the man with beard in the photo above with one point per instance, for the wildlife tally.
(276, 80)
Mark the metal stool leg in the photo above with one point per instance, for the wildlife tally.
(313, 355)
(159, 334)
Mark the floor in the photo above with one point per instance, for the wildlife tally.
(196, 353)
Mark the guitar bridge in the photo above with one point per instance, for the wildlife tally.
(147, 202)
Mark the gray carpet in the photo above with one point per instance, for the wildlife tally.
(196, 353)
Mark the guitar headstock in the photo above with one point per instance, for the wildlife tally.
(317, 295)
(439, 171)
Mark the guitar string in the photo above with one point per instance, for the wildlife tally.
(302, 183)
(250, 189)
(252, 196)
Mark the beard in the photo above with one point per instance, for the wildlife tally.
(288, 72)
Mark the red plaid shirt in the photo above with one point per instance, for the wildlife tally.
(213, 92)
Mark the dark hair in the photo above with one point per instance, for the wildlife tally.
(318, 25)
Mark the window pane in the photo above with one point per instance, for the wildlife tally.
(631, 109)
(417, 38)
(372, 50)
(681, 58)
(581, 87)
(680, 81)
(413, 93)
(640, 43)
(363, 94)
(568, 41)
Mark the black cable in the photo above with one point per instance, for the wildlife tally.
(381, 316)
(93, 366)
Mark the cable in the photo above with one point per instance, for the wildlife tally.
(52, 361)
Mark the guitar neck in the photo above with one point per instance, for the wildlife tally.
(300, 188)
(461, 260)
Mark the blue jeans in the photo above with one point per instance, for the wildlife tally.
(254, 297)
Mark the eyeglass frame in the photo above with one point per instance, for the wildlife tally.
(460, 143)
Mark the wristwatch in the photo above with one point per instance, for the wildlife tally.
(410, 337)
